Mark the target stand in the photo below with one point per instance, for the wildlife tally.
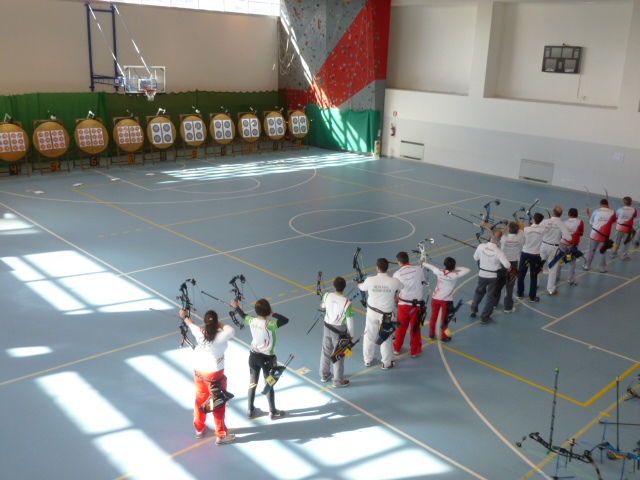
(129, 139)
(193, 133)
(275, 129)
(161, 136)
(14, 145)
(223, 134)
(91, 138)
(298, 129)
(51, 142)
(249, 131)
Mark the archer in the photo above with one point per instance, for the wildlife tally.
(337, 335)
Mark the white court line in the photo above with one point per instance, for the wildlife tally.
(365, 412)
(483, 418)
(295, 237)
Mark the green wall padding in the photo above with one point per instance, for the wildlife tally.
(71, 106)
(330, 128)
(343, 129)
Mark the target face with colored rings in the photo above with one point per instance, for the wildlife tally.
(14, 142)
(128, 135)
(91, 136)
(274, 125)
(193, 130)
(223, 130)
(299, 124)
(51, 139)
(161, 131)
(250, 130)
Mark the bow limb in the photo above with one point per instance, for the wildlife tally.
(319, 285)
(187, 306)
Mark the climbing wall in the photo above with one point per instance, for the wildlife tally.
(333, 53)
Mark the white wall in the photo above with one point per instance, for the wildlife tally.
(424, 37)
(45, 48)
(513, 111)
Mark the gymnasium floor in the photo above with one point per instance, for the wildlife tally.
(94, 386)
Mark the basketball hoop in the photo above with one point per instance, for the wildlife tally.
(150, 93)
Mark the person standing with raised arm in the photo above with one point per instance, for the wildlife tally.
(263, 351)
(490, 262)
(624, 229)
(442, 300)
(382, 289)
(410, 305)
(338, 322)
(208, 366)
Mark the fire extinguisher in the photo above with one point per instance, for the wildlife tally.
(393, 130)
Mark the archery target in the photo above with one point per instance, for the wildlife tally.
(91, 136)
(249, 127)
(51, 139)
(223, 130)
(298, 124)
(193, 131)
(161, 132)
(274, 125)
(128, 135)
(14, 142)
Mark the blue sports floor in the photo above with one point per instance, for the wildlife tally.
(93, 384)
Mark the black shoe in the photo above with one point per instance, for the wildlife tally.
(432, 337)
(520, 295)
(485, 321)
(445, 339)
(534, 299)
(277, 414)
(473, 314)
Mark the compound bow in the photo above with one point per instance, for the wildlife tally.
(321, 311)
(187, 305)
(486, 219)
(237, 295)
(360, 277)
(526, 215)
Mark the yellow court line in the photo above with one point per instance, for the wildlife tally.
(585, 404)
(577, 435)
(167, 229)
(512, 375)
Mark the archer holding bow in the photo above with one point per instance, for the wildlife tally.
(337, 334)
(411, 305)
(442, 302)
(601, 221)
(491, 261)
(263, 351)
(208, 366)
(382, 289)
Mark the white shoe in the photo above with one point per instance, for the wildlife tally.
(228, 439)
(510, 311)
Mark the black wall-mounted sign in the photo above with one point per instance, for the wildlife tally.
(561, 59)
